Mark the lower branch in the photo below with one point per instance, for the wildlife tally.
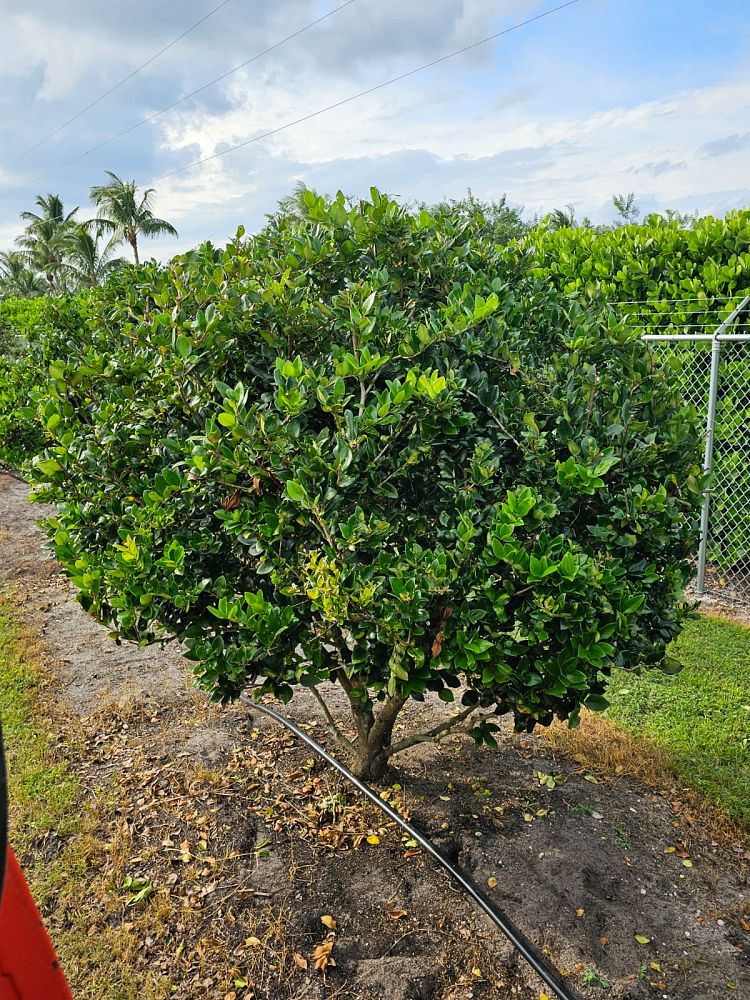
(495, 419)
(437, 733)
(332, 727)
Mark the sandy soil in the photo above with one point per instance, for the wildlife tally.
(583, 867)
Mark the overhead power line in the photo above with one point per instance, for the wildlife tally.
(181, 100)
(369, 90)
(119, 83)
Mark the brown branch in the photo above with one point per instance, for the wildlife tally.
(332, 727)
(495, 419)
(435, 734)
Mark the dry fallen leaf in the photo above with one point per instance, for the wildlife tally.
(329, 922)
(492, 882)
(300, 961)
(321, 955)
(252, 942)
(397, 914)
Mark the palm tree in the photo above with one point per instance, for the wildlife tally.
(87, 262)
(562, 218)
(43, 240)
(17, 278)
(123, 214)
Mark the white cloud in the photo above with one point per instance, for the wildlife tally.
(542, 161)
(521, 116)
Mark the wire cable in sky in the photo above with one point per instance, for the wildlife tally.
(181, 100)
(119, 83)
(370, 90)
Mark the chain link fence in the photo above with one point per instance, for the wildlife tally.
(711, 360)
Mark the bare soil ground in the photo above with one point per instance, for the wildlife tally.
(243, 843)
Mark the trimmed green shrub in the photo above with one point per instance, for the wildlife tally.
(362, 447)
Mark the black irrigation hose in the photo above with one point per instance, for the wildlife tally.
(550, 976)
(5, 471)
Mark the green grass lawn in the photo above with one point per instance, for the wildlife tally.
(67, 876)
(42, 789)
(701, 716)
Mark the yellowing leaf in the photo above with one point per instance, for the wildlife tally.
(641, 939)
(252, 942)
(329, 922)
(687, 863)
(580, 911)
(528, 817)
(492, 882)
(373, 839)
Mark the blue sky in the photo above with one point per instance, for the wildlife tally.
(649, 96)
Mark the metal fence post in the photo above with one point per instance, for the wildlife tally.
(708, 458)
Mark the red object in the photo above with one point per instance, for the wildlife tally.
(29, 967)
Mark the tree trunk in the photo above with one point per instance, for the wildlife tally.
(374, 733)
(133, 241)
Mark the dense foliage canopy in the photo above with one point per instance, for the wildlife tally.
(364, 447)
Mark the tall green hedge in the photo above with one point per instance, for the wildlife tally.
(32, 332)
(663, 278)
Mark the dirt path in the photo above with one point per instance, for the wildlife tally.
(584, 867)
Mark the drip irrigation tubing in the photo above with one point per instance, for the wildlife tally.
(12, 474)
(547, 973)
